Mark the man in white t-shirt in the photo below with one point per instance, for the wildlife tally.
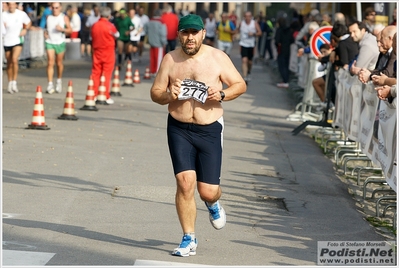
(135, 35)
(16, 24)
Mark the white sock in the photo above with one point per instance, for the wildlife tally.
(191, 234)
(59, 80)
(210, 204)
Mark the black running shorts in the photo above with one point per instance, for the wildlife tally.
(196, 147)
(247, 52)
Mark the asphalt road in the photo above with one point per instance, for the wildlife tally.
(100, 190)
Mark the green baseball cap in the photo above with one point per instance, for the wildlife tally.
(191, 21)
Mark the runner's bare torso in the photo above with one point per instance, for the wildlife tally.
(210, 66)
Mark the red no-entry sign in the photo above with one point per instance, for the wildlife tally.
(319, 37)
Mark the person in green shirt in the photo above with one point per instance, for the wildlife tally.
(124, 25)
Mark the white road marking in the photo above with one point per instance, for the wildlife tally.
(26, 258)
(164, 263)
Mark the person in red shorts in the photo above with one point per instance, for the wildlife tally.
(103, 34)
(171, 20)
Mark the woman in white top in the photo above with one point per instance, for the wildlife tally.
(16, 23)
(57, 27)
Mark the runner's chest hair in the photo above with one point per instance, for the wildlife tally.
(197, 70)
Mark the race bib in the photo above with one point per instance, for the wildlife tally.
(191, 89)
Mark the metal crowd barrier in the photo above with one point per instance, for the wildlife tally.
(364, 126)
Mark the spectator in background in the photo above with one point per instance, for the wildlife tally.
(302, 37)
(93, 18)
(346, 50)
(84, 35)
(210, 27)
(283, 40)
(369, 19)
(103, 34)
(377, 29)
(319, 83)
(387, 89)
(233, 17)
(125, 26)
(43, 18)
(157, 39)
(144, 20)
(186, 11)
(339, 18)
(202, 13)
(225, 30)
(313, 26)
(393, 17)
(31, 14)
(386, 58)
(58, 26)
(135, 34)
(16, 24)
(267, 29)
(75, 21)
(171, 21)
(114, 14)
(368, 49)
(326, 20)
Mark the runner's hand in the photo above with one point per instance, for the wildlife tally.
(175, 89)
(23, 32)
(213, 94)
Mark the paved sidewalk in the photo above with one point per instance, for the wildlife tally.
(100, 190)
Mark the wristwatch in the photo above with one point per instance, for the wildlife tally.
(222, 95)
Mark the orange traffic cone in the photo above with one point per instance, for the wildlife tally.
(101, 97)
(128, 77)
(147, 73)
(116, 87)
(69, 106)
(38, 121)
(90, 104)
(136, 78)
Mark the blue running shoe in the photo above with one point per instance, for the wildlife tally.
(217, 215)
(187, 247)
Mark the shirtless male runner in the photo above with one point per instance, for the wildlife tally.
(195, 129)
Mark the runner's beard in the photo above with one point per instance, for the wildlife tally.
(190, 51)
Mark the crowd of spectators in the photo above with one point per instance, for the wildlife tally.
(355, 44)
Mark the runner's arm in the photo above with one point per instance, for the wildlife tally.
(161, 93)
(231, 77)
(68, 29)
